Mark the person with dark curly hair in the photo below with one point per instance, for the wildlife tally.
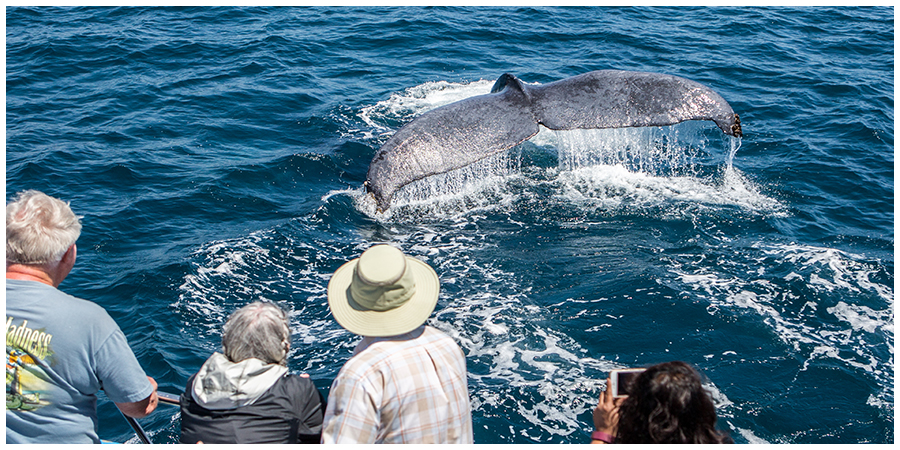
(667, 405)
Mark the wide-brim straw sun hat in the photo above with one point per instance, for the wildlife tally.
(383, 293)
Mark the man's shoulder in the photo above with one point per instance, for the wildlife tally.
(383, 350)
(437, 338)
(34, 295)
(436, 334)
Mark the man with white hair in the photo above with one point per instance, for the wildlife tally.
(406, 382)
(245, 395)
(60, 349)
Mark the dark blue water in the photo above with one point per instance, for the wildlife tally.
(218, 156)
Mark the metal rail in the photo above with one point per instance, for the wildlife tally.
(169, 399)
(138, 430)
(165, 398)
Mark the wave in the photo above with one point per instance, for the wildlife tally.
(823, 304)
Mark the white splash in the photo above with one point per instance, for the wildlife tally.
(418, 99)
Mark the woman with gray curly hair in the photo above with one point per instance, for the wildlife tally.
(245, 395)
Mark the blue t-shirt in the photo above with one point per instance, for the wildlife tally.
(61, 350)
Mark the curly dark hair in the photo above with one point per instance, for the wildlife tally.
(668, 405)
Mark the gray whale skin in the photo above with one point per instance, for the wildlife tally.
(458, 134)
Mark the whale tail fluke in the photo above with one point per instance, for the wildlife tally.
(461, 133)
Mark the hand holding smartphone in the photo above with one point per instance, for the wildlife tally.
(621, 381)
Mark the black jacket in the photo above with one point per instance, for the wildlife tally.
(291, 411)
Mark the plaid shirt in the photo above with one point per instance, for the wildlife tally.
(401, 389)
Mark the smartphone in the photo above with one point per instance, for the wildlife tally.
(621, 380)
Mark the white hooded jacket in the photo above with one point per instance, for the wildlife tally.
(221, 384)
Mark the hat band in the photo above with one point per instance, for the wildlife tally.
(365, 296)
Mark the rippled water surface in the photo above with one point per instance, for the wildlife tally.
(218, 156)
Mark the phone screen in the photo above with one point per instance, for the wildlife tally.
(623, 380)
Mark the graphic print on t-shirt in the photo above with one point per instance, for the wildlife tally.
(26, 380)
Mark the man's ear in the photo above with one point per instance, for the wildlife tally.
(68, 261)
(70, 255)
(60, 271)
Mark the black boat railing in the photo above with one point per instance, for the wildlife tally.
(138, 430)
(165, 398)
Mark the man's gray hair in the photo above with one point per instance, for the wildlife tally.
(39, 228)
(259, 330)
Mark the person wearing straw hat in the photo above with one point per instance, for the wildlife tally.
(406, 381)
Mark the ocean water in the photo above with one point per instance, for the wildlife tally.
(218, 154)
